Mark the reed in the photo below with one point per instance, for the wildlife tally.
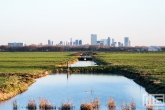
(125, 106)
(45, 105)
(129, 106)
(15, 106)
(133, 105)
(92, 105)
(67, 105)
(32, 105)
(111, 104)
(150, 105)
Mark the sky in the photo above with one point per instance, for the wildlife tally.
(36, 21)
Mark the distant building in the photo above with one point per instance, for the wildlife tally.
(80, 42)
(71, 43)
(113, 44)
(93, 39)
(154, 48)
(61, 43)
(113, 40)
(49, 42)
(15, 44)
(126, 41)
(119, 44)
(109, 41)
(104, 41)
(98, 42)
(52, 42)
(76, 42)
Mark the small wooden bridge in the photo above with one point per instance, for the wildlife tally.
(85, 58)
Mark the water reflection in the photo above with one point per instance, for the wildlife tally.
(83, 64)
(80, 87)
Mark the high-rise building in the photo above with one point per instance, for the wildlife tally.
(104, 41)
(93, 39)
(76, 42)
(49, 42)
(126, 41)
(61, 43)
(52, 43)
(109, 41)
(129, 43)
(113, 42)
(71, 43)
(80, 42)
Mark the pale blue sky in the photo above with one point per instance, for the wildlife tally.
(35, 21)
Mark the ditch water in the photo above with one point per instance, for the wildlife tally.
(58, 88)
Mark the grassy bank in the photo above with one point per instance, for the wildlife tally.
(18, 70)
(149, 67)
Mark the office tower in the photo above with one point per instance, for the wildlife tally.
(104, 41)
(129, 43)
(61, 43)
(93, 39)
(71, 43)
(80, 42)
(113, 42)
(52, 43)
(126, 41)
(109, 41)
(76, 42)
(15, 44)
(49, 42)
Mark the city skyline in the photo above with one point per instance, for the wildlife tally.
(33, 22)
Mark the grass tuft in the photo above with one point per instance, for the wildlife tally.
(92, 105)
(111, 104)
(32, 105)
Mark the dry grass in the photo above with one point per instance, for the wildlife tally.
(15, 106)
(45, 105)
(130, 106)
(32, 105)
(133, 105)
(111, 104)
(92, 105)
(150, 105)
(67, 105)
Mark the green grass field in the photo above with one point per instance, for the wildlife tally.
(150, 64)
(32, 62)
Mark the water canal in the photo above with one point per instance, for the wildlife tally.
(58, 88)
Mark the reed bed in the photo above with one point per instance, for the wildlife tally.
(111, 104)
(32, 105)
(44, 104)
(15, 106)
(67, 105)
(91, 105)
